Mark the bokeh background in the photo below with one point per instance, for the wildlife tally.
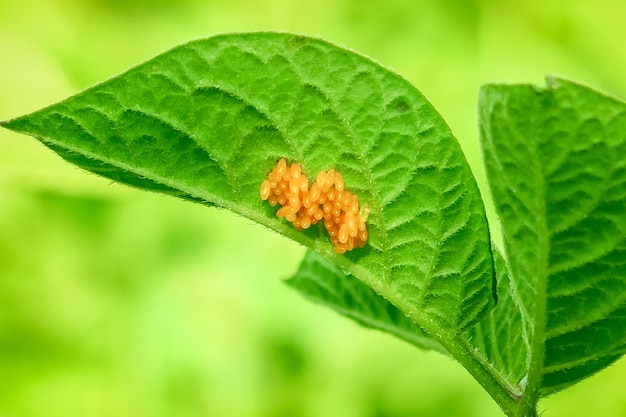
(116, 302)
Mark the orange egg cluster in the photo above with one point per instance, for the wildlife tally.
(326, 200)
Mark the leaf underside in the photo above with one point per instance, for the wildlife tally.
(324, 283)
(209, 119)
(556, 166)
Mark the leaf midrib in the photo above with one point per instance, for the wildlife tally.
(537, 344)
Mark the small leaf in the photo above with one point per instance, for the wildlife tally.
(556, 166)
(323, 282)
(208, 120)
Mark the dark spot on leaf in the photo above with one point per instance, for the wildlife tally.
(402, 106)
(299, 41)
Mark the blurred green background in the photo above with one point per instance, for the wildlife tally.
(116, 302)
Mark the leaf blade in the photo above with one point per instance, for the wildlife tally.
(499, 339)
(324, 283)
(558, 183)
(208, 120)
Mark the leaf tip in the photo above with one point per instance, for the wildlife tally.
(9, 124)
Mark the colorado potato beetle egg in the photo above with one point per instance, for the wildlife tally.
(327, 200)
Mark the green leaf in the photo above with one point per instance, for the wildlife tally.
(209, 119)
(499, 338)
(556, 167)
(488, 349)
(323, 282)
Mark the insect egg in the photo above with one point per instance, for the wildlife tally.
(265, 190)
(343, 234)
(294, 202)
(338, 182)
(326, 201)
(315, 192)
(321, 179)
(285, 211)
(332, 194)
(306, 222)
(281, 167)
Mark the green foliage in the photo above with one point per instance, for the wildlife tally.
(555, 160)
(323, 282)
(207, 121)
(189, 123)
